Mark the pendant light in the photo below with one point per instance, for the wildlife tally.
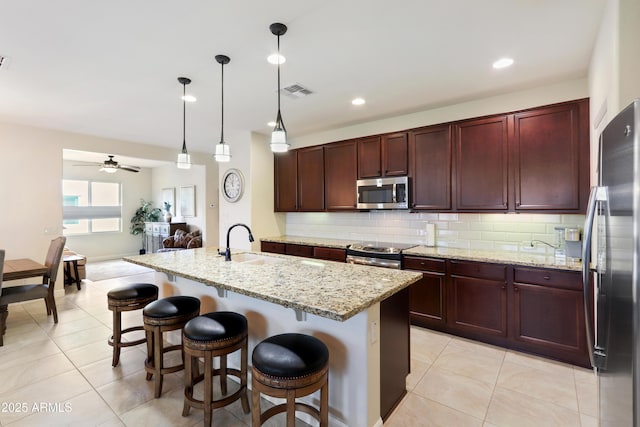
(223, 152)
(279, 134)
(184, 159)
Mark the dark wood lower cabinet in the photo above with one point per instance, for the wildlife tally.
(427, 296)
(548, 314)
(536, 310)
(395, 357)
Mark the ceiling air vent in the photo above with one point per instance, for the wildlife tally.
(295, 91)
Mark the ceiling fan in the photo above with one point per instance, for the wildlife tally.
(111, 166)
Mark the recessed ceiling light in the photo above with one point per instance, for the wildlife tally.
(358, 101)
(276, 59)
(503, 63)
(271, 124)
(189, 98)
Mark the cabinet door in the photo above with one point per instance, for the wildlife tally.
(478, 298)
(369, 157)
(330, 254)
(430, 168)
(340, 175)
(311, 179)
(427, 296)
(549, 314)
(481, 164)
(547, 158)
(286, 178)
(394, 154)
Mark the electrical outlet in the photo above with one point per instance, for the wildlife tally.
(373, 332)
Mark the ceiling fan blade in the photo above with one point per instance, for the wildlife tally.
(129, 168)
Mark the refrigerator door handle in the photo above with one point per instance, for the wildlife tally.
(598, 194)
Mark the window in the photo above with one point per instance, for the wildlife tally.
(91, 207)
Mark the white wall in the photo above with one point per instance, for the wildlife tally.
(170, 176)
(31, 177)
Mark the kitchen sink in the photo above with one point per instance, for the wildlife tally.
(255, 259)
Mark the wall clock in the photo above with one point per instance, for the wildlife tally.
(232, 185)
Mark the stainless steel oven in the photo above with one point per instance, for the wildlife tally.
(388, 255)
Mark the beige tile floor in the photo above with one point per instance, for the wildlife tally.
(53, 375)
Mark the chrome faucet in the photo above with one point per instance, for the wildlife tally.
(227, 252)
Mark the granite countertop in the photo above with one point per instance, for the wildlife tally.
(502, 257)
(329, 289)
(309, 241)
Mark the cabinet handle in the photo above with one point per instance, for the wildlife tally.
(515, 288)
(546, 277)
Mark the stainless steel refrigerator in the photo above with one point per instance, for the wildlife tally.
(614, 208)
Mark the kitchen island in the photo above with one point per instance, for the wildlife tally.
(351, 308)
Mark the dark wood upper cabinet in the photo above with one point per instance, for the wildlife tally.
(385, 155)
(430, 167)
(481, 152)
(340, 175)
(369, 157)
(395, 149)
(311, 179)
(285, 181)
(549, 159)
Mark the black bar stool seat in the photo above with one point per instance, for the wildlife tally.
(290, 366)
(163, 315)
(211, 335)
(128, 298)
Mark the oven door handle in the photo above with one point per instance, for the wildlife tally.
(377, 262)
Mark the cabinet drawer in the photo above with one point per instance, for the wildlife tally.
(273, 247)
(164, 230)
(330, 254)
(299, 250)
(554, 278)
(423, 264)
(156, 229)
(148, 228)
(479, 270)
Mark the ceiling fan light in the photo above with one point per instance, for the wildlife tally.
(184, 161)
(108, 169)
(223, 153)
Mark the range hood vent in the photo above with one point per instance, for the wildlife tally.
(295, 91)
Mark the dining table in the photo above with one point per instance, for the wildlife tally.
(22, 268)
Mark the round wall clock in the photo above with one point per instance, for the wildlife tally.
(232, 185)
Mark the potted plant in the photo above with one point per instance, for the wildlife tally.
(145, 213)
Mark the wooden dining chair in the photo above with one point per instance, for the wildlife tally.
(42, 290)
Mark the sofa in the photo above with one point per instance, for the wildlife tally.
(182, 240)
(82, 271)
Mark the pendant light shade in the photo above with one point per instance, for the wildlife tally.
(223, 152)
(279, 134)
(184, 158)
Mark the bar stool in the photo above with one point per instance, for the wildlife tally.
(128, 298)
(163, 315)
(290, 366)
(214, 335)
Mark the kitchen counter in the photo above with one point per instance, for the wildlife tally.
(359, 312)
(310, 241)
(329, 289)
(481, 255)
(500, 257)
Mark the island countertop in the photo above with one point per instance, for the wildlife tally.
(329, 289)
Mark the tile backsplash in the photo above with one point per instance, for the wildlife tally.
(509, 232)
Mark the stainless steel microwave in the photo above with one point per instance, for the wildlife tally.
(383, 193)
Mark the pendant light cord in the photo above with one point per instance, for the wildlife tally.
(279, 60)
(184, 118)
(222, 107)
